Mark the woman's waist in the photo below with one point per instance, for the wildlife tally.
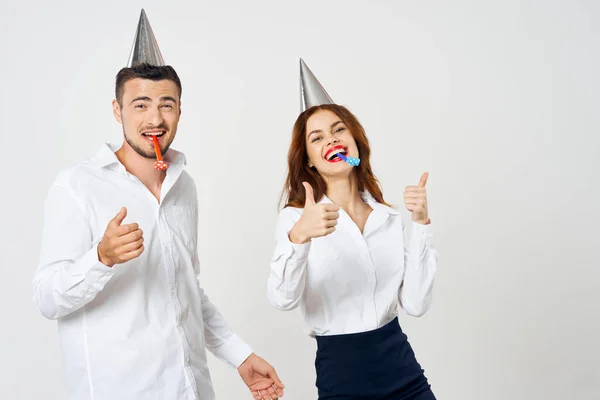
(346, 324)
(326, 317)
(386, 327)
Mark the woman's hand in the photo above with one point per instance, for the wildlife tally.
(415, 199)
(316, 220)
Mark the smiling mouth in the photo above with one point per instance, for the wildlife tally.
(332, 154)
(149, 135)
(156, 133)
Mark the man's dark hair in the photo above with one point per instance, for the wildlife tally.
(144, 71)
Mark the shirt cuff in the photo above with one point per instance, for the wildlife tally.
(234, 351)
(423, 233)
(90, 266)
(299, 250)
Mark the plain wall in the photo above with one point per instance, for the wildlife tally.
(497, 100)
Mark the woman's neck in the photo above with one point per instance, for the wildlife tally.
(344, 192)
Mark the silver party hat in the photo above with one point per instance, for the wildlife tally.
(145, 48)
(312, 92)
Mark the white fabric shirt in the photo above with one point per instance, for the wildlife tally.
(348, 282)
(137, 330)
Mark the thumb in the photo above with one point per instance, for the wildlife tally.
(310, 196)
(118, 219)
(273, 375)
(424, 179)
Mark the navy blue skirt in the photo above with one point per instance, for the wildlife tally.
(374, 365)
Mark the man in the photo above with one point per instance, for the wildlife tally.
(119, 263)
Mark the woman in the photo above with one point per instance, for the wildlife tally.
(342, 256)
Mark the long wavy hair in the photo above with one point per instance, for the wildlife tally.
(299, 171)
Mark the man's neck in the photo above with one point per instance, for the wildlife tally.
(142, 168)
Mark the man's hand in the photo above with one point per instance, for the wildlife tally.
(120, 243)
(261, 378)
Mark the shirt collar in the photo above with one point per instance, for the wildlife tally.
(369, 199)
(106, 156)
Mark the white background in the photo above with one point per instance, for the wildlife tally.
(498, 100)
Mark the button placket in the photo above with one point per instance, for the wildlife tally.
(366, 261)
(180, 313)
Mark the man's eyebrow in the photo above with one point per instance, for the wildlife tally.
(142, 98)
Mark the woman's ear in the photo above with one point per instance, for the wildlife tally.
(309, 163)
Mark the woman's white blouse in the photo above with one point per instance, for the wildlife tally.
(349, 282)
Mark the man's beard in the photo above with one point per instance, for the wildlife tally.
(151, 154)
